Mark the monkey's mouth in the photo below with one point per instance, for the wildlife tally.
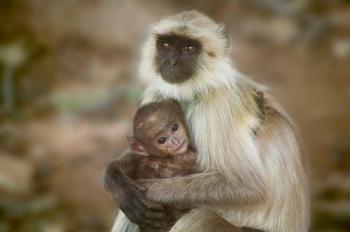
(181, 148)
(175, 74)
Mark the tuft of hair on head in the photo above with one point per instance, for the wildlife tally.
(158, 109)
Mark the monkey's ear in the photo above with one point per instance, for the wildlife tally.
(136, 147)
(222, 31)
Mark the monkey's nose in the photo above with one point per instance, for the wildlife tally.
(175, 141)
(173, 61)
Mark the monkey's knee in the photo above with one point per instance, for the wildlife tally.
(204, 221)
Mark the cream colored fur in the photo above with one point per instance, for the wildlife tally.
(222, 115)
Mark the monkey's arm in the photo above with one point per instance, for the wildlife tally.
(201, 189)
(129, 195)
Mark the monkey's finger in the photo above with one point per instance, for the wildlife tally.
(152, 205)
(141, 197)
(141, 188)
(140, 218)
(135, 215)
(157, 224)
(152, 215)
(151, 210)
(137, 207)
(152, 223)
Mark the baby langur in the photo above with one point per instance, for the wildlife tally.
(161, 139)
(161, 148)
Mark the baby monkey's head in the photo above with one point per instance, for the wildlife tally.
(160, 129)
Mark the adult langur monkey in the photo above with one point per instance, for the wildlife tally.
(252, 170)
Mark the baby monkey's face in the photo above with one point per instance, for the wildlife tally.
(160, 129)
(171, 138)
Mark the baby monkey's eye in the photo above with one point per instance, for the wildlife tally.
(174, 127)
(162, 140)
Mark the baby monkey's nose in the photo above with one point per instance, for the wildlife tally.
(175, 141)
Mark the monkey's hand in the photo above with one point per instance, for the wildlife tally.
(132, 199)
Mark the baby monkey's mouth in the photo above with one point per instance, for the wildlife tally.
(182, 147)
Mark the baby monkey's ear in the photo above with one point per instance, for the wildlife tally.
(136, 147)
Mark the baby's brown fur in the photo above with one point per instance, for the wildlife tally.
(153, 158)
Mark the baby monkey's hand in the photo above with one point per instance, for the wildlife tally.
(132, 199)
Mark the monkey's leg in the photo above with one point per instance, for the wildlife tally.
(204, 221)
(123, 224)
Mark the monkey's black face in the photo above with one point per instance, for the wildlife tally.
(177, 57)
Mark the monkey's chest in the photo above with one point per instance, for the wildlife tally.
(158, 169)
(211, 129)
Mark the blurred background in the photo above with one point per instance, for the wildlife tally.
(68, 90)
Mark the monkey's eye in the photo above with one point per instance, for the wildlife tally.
(162, 140)
(165, 45)
(189, 48)
(174, 127)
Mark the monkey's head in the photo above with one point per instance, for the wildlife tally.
(182, 49)
(160, 130)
